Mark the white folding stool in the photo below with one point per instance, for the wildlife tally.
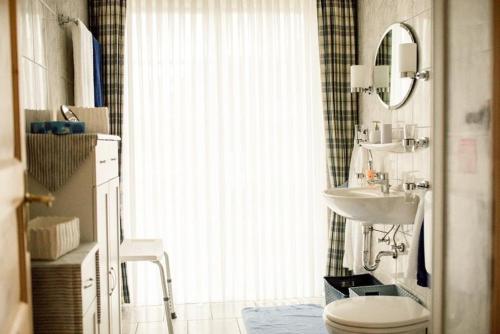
(133, 250)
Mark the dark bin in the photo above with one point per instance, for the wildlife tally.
(338, 287)
(382, 290)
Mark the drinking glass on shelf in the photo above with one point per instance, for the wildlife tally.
(409, 130)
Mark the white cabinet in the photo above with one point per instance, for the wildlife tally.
(93, 195)
(107, 205)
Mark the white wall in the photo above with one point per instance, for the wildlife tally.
(374, 17)
(46, 52)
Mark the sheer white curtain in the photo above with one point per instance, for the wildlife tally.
(224, 147)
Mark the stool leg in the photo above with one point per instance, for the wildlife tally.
(169, 285)
(166, 303)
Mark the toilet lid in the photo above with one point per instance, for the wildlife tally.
(376, 312)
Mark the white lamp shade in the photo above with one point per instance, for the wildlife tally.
(407, 57)
(381, 76)
(360, 76)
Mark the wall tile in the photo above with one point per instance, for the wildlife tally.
(375, 16)
(50, 83)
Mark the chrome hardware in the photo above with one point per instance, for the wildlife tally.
(409, 186)
(383, 180)
(112, 273)
(411, 144)
(45, 199)
(89, 284)
(423, 185)
(369, 90)
(420, 75)
(400, 248)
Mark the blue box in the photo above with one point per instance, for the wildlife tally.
(58, 127)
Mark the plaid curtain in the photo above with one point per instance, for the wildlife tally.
(107, 23)
(338, 51)
(384, 57)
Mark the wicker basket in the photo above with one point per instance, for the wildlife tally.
(338, 287)
(382, 290)
(51, 237)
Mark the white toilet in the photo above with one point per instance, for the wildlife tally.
(376, 314)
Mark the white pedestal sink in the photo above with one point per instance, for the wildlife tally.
(371, 206)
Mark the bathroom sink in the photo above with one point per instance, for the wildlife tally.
(371, 206)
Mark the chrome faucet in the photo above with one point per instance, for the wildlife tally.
(383, 180)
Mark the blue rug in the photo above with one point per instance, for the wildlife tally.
(288, 319)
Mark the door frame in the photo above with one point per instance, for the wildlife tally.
(439, 151)
(495, 112)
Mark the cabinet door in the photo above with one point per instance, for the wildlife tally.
(113, 254)
(101, 212)
(90, 325)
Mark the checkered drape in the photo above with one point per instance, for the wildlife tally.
(384, 57)
(338, 51)
(107, 23)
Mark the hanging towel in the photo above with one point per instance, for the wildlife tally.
(98, 97)
(353, 241)
(424, 205)
(423, 277)
(83, 65)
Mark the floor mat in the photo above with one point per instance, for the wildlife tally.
(287, 319)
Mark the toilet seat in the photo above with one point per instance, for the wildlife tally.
(394, 330)
(376, 314)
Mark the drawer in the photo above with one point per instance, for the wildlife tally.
(89, 281)
(106, 160)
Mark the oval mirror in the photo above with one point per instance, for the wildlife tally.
(391, 89)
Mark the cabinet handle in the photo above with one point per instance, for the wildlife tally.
(110, 273)
(102, 161)
(89, 284)
(113, 159)
(113, 274)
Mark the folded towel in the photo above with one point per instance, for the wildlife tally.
(98, 90)
(423, 277)
(83, 64)
(353, 241)
(413, 253)
(428, 230)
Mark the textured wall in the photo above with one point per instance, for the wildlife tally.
(469, 198)
(374, 17)
(46, 50)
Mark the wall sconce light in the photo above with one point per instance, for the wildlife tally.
(381, 78)
(360, 79)
(408, 62)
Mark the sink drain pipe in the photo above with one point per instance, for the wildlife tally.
(367, 246)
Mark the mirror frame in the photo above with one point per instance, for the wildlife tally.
(413, 40)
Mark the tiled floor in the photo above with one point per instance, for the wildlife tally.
(214, 318)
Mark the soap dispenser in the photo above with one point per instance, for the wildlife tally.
(374, 134)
